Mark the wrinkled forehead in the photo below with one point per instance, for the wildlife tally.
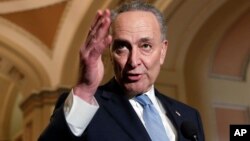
(135, 21)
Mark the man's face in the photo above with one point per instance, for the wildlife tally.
(138, 50)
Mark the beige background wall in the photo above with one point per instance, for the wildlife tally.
(207, 64)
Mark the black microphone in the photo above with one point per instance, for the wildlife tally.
(189, 130)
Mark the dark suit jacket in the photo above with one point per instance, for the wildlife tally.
(116, 119)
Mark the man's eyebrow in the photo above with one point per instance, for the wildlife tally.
(145, 39)
(119, 40)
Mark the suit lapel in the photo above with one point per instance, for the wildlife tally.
(118, 106)
(173, 113)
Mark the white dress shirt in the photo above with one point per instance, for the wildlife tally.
(79, 113)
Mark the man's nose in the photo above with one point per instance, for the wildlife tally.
(134, 58)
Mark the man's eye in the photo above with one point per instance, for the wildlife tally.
(146, 46)
(120, 49)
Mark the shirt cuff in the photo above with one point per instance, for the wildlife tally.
(78, 113)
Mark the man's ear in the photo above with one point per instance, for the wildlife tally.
(163, 51)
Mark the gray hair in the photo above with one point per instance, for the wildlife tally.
(142, 6)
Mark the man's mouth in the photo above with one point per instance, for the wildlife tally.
(133, 77)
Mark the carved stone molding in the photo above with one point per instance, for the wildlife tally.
(45, 97)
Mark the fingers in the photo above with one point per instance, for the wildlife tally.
(98, 21)
(99, 30)
(103, 29)
(93, 27)
(97, 18)
(101, 26)
(98, 37)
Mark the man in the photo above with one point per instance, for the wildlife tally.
(117, 111)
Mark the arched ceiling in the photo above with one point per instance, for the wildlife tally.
(232, 55)
(41, 23)
(28, 31)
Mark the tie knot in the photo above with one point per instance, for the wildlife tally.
(143, 100)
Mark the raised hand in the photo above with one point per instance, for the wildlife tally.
(91, 65)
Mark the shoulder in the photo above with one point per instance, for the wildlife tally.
(175, 104)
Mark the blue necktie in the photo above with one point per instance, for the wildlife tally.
(152, 119)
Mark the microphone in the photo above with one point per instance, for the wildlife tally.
(189, 130)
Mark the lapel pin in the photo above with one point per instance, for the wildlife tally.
(178, 113)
